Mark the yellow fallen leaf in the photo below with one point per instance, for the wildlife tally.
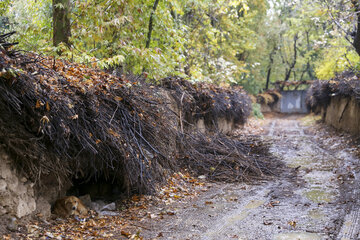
(292, 223)
(38, 104)
(74, 117)
(44, 120)
(47, 106)
(126, 234)
(118, 98)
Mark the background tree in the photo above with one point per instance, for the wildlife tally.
(356, 7)
(249, 43)
(61, 22)
(345, 16)
(156, 2)
(339, 39)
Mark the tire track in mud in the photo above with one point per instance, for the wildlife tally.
(351, 224)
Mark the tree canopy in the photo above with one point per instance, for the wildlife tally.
(233, 42)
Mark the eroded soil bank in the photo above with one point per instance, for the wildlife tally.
(315, 198)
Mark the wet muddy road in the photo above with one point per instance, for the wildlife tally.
(317, 198)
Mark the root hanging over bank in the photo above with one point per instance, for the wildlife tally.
(320, 92)
(66, 119)
(74, 122)
(209, 102)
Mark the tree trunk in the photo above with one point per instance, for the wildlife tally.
(356, 43)
(311, 75)
(308, 66)
(148, 41)
(288, 73)
(268, 78)
(271, 58)
(61, 22)
(292, 65)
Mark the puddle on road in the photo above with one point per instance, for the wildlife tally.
(254, 204)
(231, 197)
(322, 188)
(316, 214)
(297, 236)
(319, 196)
(243, 214)
(320, 178)
(230, 221)
(304, 162)
(238, 217)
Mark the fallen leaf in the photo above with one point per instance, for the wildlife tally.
(74, 117)
(126, 234)
(6, 237)
(47, 106)
(267, 223)
(118, 98)
(273, 204)
(38, 104)
(44, 120)
(292, 223)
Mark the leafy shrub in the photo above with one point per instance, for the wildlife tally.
(256, 111)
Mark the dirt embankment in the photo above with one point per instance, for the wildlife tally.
(338, 102)
(343, 113)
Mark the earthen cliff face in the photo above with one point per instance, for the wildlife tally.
(16, 192)
(343, 113)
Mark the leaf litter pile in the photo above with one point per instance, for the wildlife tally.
(68, 120)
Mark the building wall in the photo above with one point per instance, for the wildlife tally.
(290, 102)
(293, 102)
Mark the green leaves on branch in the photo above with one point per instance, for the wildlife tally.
(198, 39)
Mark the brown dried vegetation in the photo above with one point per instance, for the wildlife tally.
(320, 92)
(65, 119)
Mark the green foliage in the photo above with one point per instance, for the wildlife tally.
(338, 53)
(286, 21)
(220, 41)
(4, 5)
(32, 21)
(198, 39)
(248, 80)
(256, 111)
(337, 60)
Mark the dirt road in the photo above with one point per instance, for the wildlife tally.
(317, 198)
